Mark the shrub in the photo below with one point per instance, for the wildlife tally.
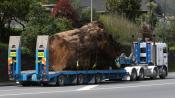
(121, 28)
(64, 8)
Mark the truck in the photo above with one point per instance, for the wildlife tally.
(147, 59)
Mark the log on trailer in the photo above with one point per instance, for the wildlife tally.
(88, 47)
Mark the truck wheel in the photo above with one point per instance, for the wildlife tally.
(133, 75)
(155, 74)
(141, 75)
(163, 74)
(60, 81)
(80, 79)
(97, 79)
(45, 84)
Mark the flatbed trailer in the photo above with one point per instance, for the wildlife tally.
(42, 75)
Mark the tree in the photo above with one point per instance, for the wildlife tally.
(83, 14)
(151, 15)
(130, 8)
(64, 8)
(163, 30)
(41, 23)
(13, 10)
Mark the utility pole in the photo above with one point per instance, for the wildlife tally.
(91, 10)
(165, 10)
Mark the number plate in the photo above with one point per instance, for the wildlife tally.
(40, 54)
(12, 54)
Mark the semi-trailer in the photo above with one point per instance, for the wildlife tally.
(148, 59)
(44, 76)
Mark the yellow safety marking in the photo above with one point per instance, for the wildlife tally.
(12, 54)
(40, 54)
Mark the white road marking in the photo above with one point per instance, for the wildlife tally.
(50, 92)
(136, 86)
(87, 87)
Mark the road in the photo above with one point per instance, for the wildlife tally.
(123, 89)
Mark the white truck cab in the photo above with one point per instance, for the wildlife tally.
(149, 60)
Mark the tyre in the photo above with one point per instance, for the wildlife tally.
(141, 75)
(80, 79)
(133, 75)
(163, 74)
(155, 74)
(25, 83)
(97, 79)
(45, 84)
(60, 81)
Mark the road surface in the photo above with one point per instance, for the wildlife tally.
(124, 89)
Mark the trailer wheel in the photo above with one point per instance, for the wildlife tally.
(97, 79)
(60, 81)
(80, 79)
(141, 75)
(133, 75)
(155, 74)
(25, 83)
(163, 74)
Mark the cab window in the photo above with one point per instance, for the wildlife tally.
(164, 50)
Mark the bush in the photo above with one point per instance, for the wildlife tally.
(64, 8)
(40, 22)
(49, 27)
(121, 28)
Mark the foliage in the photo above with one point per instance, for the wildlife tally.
(3, 46)
(162, 27)
(83, 14)
(165, 31)
(121, 28)
(13, 10)
(41, 23)
(171, 37)
(151, 16)
(64, 8)
(130, 8)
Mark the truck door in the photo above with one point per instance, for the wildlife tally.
(165, 56)
(160, 55)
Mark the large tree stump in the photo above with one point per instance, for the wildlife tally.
(88, 47)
